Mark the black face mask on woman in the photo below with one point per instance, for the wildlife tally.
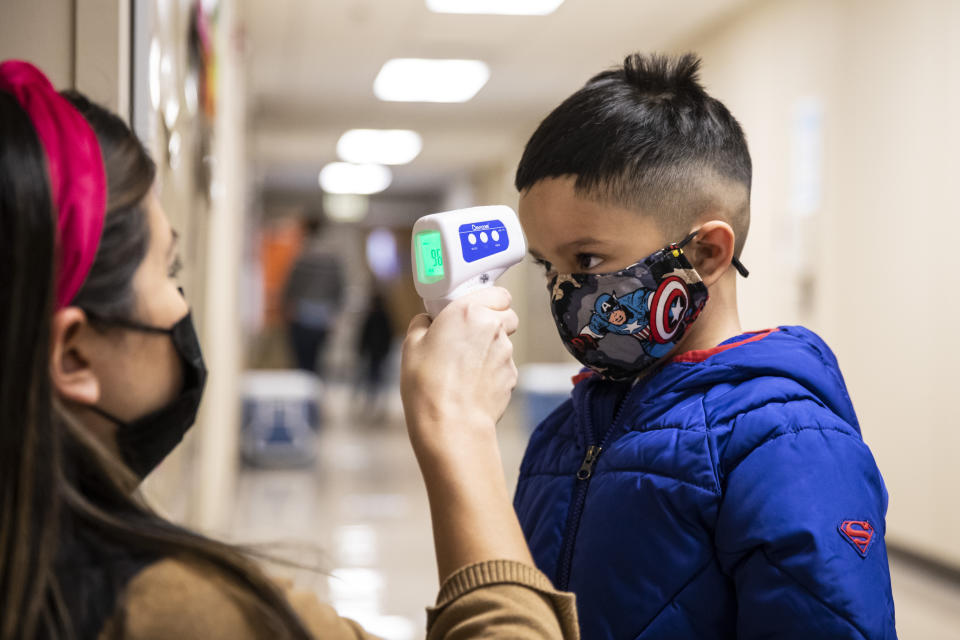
(146, 441)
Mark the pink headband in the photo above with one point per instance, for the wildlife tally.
(78, 182)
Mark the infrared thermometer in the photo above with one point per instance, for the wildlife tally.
(456, 252)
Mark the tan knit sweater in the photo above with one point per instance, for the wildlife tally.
(496, 599)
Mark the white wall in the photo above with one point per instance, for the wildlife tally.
(102, 43)
(83, 45)
(41, 32)
(214, 475)
(879, 261)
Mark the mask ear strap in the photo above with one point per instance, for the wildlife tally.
(128, 324)
(742, 270)
(106, 415)
(686, 241)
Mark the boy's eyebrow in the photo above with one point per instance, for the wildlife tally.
(573, 244)
(582, 242)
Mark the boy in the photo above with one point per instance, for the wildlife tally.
(701, 482)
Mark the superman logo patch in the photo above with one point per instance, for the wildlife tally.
(859, 533)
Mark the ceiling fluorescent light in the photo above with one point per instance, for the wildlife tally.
(422, 80)
(379, 146)
(361, 179)
(498, 7)
(345, 207)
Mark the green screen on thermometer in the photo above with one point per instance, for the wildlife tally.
(429, 257)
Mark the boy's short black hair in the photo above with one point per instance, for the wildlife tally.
(647, 136)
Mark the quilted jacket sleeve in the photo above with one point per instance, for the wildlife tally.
(800, 532)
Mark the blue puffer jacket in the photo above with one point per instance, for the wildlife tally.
(732, 497)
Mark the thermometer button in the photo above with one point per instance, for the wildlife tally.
(472, 238)
(483, 236)
(495, 235)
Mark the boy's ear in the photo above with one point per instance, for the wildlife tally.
(711, 251)
(70, 372)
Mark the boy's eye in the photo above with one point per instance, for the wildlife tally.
(175, 268)
(546, 266)
(587, 261)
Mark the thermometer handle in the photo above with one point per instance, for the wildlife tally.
(434, 307)
(486, 279)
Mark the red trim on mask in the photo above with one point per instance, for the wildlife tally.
(703, 354)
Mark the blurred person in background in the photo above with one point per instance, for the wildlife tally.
(103, 373)
(374, 345)
(313, 297)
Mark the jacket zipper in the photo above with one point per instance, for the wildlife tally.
(582, 484)
(586, 469)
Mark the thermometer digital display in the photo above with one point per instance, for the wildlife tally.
(429, 248)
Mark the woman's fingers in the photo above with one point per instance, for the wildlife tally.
(510, 321)
(458, 370)
(418, 328)
(420, 322)
(479, 305)
(496, 298)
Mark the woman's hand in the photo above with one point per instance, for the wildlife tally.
(458, 371)
(457, 376)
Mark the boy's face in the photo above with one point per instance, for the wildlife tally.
(569, 234)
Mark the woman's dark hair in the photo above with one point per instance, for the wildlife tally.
(107, 293)
(29, 436)
(58, 485)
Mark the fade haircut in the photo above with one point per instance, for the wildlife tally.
(647, 136)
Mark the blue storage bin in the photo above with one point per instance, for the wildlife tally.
(544, 386)
(281, 417)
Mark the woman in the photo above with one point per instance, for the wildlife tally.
(102, 375)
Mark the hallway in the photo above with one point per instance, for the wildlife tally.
(360, 516)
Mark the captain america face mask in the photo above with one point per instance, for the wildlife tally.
(621, 324)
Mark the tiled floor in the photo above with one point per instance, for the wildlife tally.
(360, 516)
